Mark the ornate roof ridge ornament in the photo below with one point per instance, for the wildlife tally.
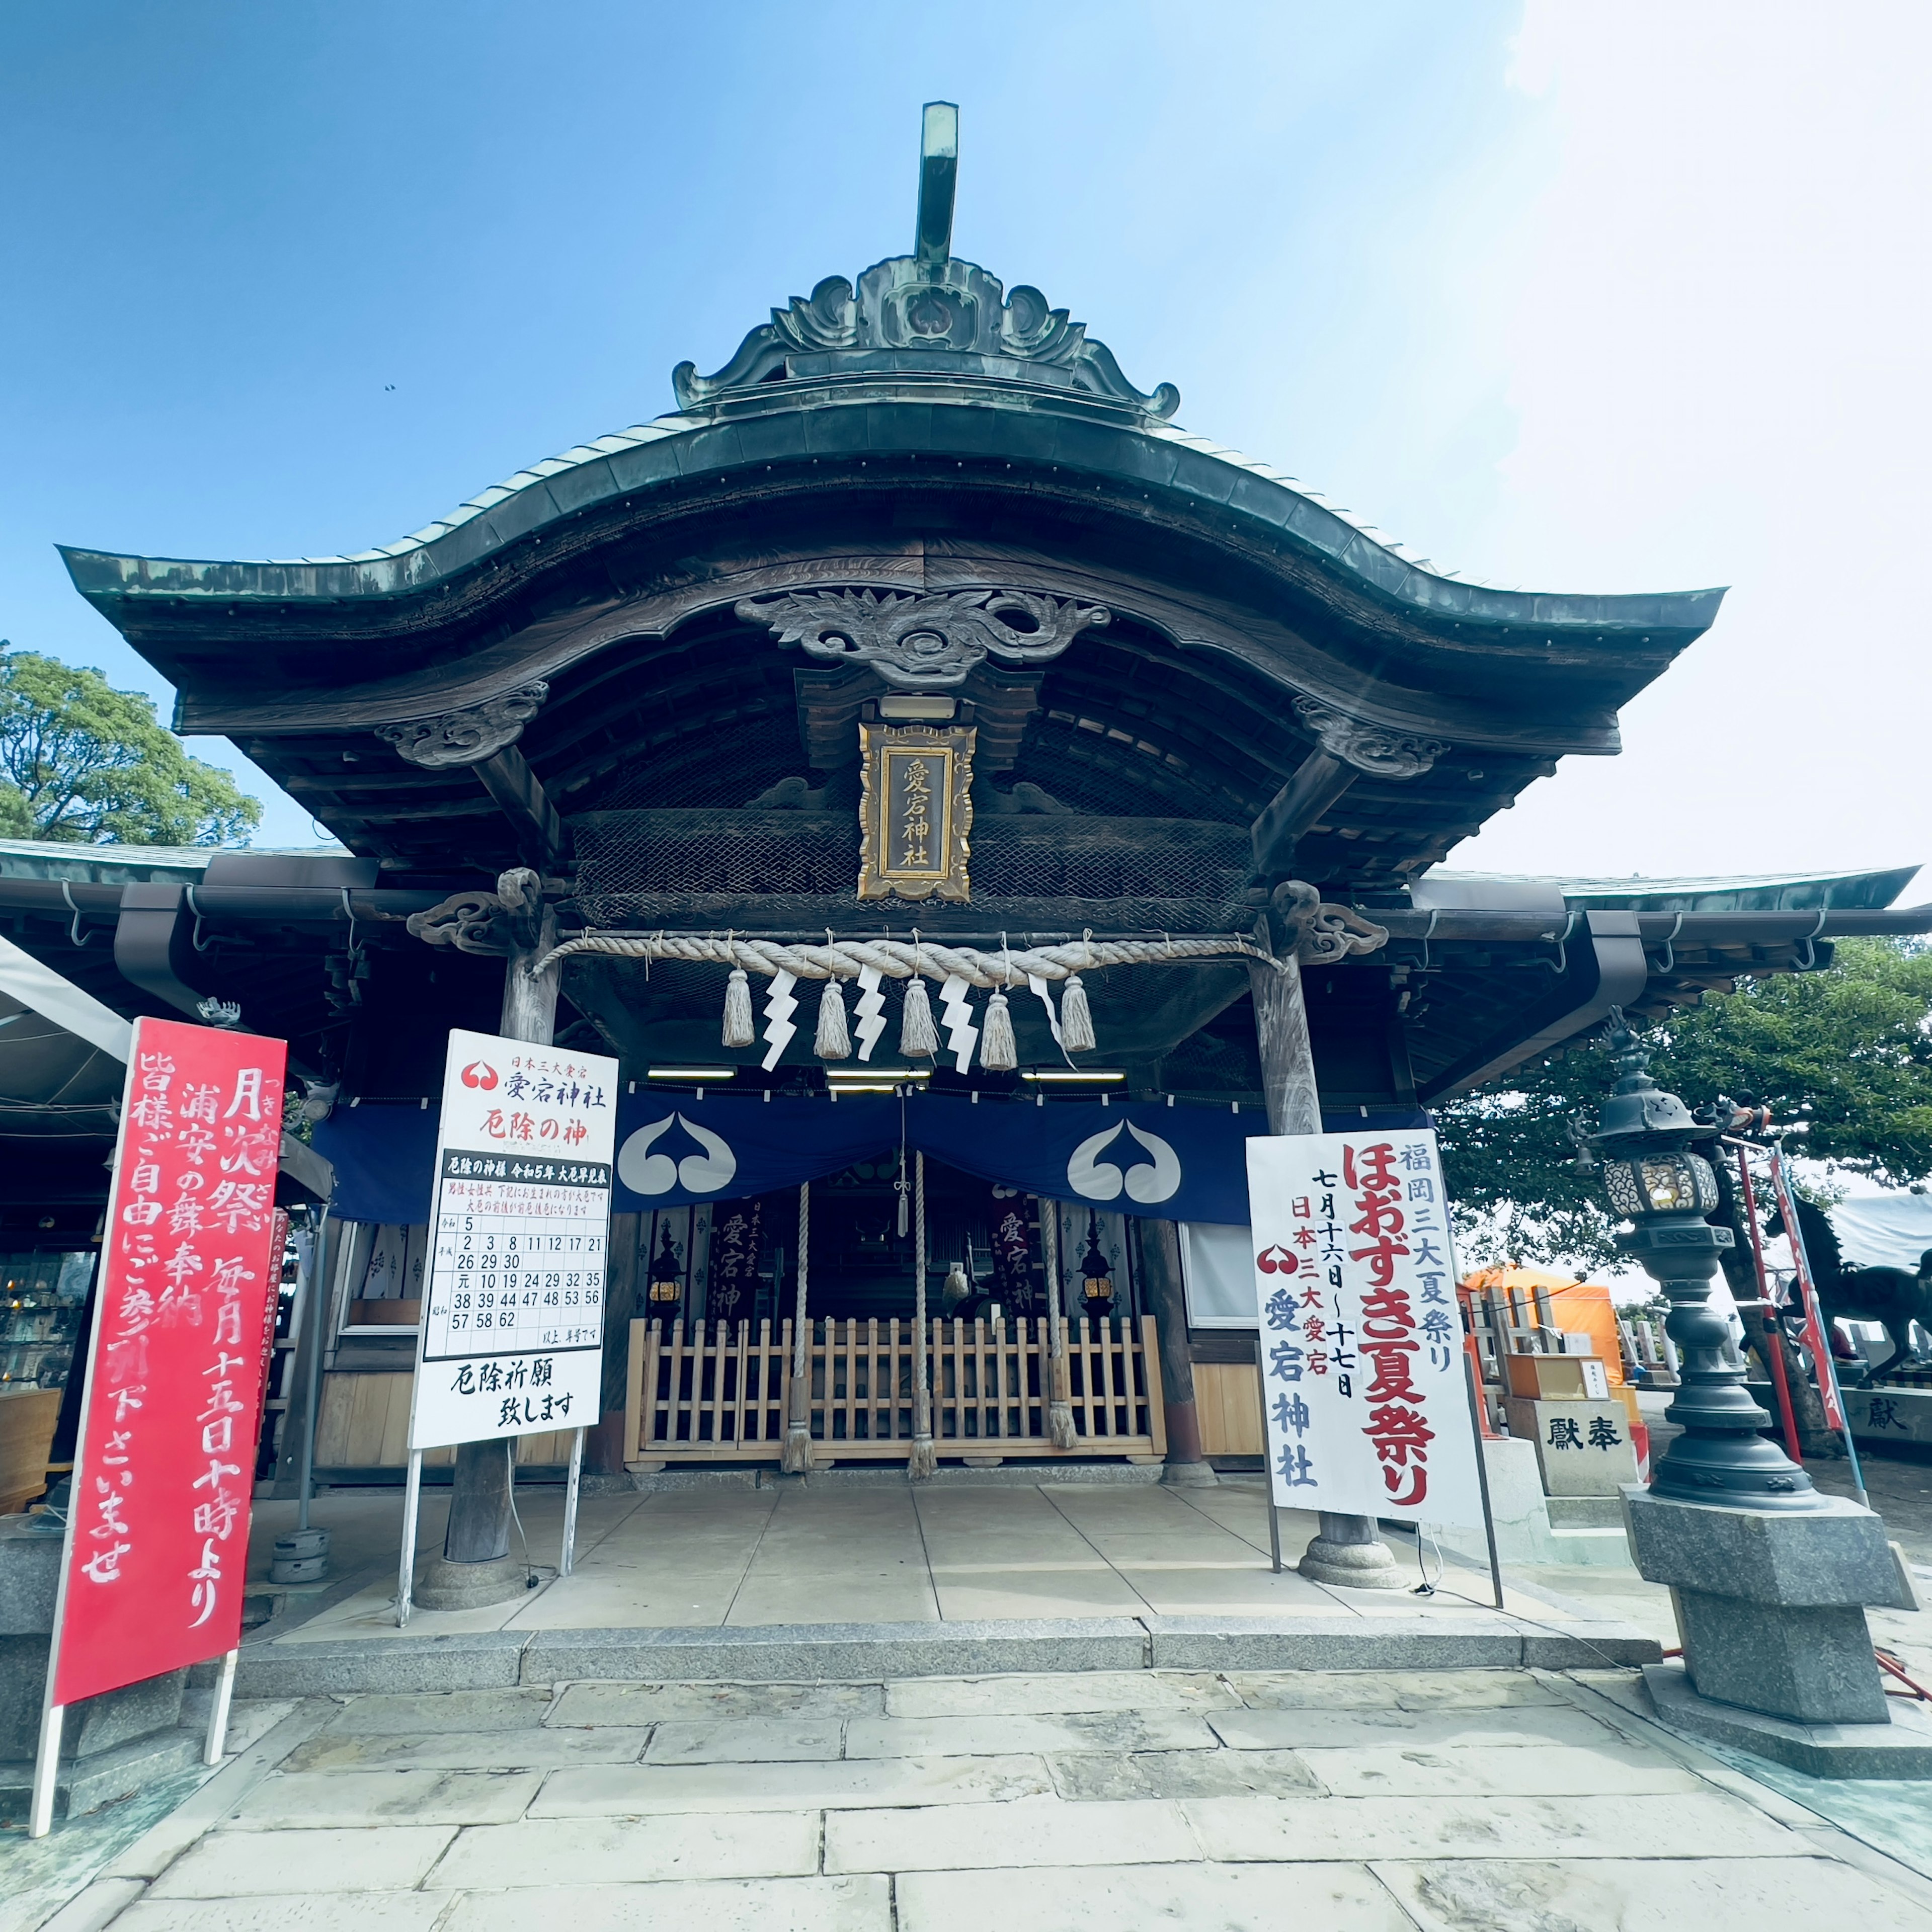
(924, 640)
(1374, 748)
(468, 736)
(926, 308)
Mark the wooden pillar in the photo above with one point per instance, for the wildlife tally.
(479, 1503)
(1347, 1550)
(605, 1447)
(1167, 1302)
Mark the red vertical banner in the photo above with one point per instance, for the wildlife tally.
(1817, 1333)
(157, 1535)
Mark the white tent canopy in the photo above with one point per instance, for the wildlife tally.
(1884, 1230)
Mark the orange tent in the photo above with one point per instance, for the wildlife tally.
(1577, 1307)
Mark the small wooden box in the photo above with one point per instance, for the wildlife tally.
(1557, 1378)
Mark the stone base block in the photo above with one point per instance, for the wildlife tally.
(86, 1783)
(1190, 1475)
(441, 1585)
(1771, 1603)
(1582, 1448)
(1352, 1566)
(1901, 1747)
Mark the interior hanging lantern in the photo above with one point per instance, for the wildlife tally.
(667, 1277)
(1097, 1277)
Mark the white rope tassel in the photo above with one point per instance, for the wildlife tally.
(918, 1037)
(833, 1041)
(739, 1031)
(796, 1459)
(1076, 1021)
(924, 1460)
(1054, 1387)
(998, 1053)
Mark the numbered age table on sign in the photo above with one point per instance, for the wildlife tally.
(520, 1255)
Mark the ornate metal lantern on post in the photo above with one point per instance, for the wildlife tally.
(1770, 1578)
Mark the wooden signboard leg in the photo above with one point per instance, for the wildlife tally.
(46, 1765)
(217, 1716)
(1482, 1477)
(412, 1500)
(568, 1562)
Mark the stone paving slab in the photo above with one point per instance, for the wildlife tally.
(1112, 1731)
(569, 1852)
(231, 1864)
(463, 1713)
(1523, 1770)
(1159, 1898)
(539, 1747)
(1679, 1825)
(633, 1790)
(1022, 1695)
(1354, 1689)
(756, 1905)
(1084, 1777)
(631, 1704)
(1713, 1894)
(1291, 1729)
(749, 1740)
(300, 1912)
(1044, 1832)
(307, 1800)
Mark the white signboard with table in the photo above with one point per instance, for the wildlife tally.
(513, 1311)
(1364, 1376)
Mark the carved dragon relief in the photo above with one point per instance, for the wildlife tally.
(1373, 749)
(467, 737)
(922, 642)
(1315, 930)
(494, 923)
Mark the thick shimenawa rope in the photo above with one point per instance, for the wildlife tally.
(796, 1459)
(901, 959)
(924, 1459)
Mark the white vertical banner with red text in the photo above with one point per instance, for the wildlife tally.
(1364, 1379)
(513, 1316)
(190, 1268)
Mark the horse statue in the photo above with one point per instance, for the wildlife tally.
(1886, 1295)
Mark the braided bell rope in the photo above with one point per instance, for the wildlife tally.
(901, 959)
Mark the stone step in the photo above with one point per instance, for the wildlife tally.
(1586, 1513)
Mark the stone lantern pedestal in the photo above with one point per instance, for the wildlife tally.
(1777, 1658)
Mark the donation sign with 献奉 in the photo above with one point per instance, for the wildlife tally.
(1364, 1375)
(191, 1264)
(513, 1316)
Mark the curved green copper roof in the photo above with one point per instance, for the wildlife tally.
(842, 373)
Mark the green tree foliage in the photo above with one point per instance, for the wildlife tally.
(1853, 1043)
(82, 761)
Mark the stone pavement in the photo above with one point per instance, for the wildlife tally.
(878, 1550)
(1503, 1800)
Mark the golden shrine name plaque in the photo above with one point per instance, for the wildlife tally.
(915, 810)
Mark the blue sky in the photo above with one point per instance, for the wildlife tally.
(1564, 296)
